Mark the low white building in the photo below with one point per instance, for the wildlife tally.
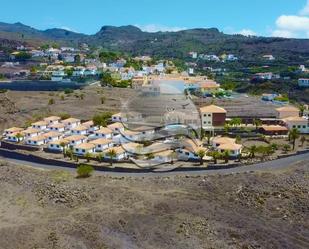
(90, 126)
(84, 148)
(52, 120)
(71, 123)
(102, 144)
(104, 133)
(57, 127)
(32, 132)
(119, 151)
(57, 145)
(119, 117)
(36, 141)
(79, 130)
(233, 149)
(165, 156)
(12, 130)
(116, 128)
(15, 137)
(76, 139)
(53, 136)
(41, 125)
(300, 123)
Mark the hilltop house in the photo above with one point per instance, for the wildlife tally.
(14, 137)
(57, 127)
(116, 128)
(79, 130)
(12, 130)
(53, 136)
(31, 132)
(120, 153)
(37, 140)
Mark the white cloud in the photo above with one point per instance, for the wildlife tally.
(283, 33)
(293, 23)
(247, 32)
(291, 26)
(158, 27)
(305, 10)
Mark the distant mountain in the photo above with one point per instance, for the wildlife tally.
(166, 44)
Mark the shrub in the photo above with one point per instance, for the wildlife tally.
(84, 171)
(51, 101)
(68, 91)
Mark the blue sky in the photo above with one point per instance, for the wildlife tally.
(288, 18)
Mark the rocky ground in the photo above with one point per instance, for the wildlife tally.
(53, 209)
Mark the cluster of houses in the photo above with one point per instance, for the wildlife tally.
(213, 57)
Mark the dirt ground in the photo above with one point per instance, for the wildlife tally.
(53, 209)
(17, 107)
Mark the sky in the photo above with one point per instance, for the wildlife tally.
(281, 18)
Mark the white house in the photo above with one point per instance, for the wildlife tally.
(303, 82)
(79, 130)
(56, 145)
(119, 117)
(102, 144)
(41, 125)
(233, 149)
(53, 136)
(31, 132)
(52, 120)
(119, 151)
(12, 130)
(90, 126)
(57, 127)
(15, 137)
(129, 136)
(84, 148)
(300, 123)
(71, 123)
(104, 133)
(76, 139)
(217, 141)
(116, 128)
(36, 141)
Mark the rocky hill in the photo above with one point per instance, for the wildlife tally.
(166, 44)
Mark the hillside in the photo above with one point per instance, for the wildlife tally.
(132, 40)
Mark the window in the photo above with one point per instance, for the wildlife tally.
(83, 151)
(209, 115)
(187, 153)
(205, 115)
(99, 145)
(57, 146)
(209, 122)
(73, 142)
(205, 122)
(304, 126)
(294, 126)
(52, 145)
(50, 138)
(298, 126)
(34, 142)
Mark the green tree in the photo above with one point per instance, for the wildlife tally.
(286, 148)
(88, 156)
(252, 151)
(101, 119)
(100, 157)
(226, 156)
(63, 146)
(293, 135)
(111, 154)
(51, 101)
(201, 153)
(302, 140)
(84, 171)
(257, 123)
(215, 155)
(238, 139)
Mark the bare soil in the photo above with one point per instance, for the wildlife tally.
(53, 209)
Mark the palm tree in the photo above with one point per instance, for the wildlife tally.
(252, 150)
(63, 145)
(226, 156)
(303, 140)
(112, 154)
(100, 157)
(286, 148)
(301, 108)
(257, 123)
(201, 153)
(215, 155)
(88, 156)
(293, 135)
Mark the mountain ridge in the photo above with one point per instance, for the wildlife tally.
(176, 44)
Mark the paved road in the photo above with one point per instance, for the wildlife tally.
(266, 166)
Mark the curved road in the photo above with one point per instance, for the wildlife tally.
(265, 166)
